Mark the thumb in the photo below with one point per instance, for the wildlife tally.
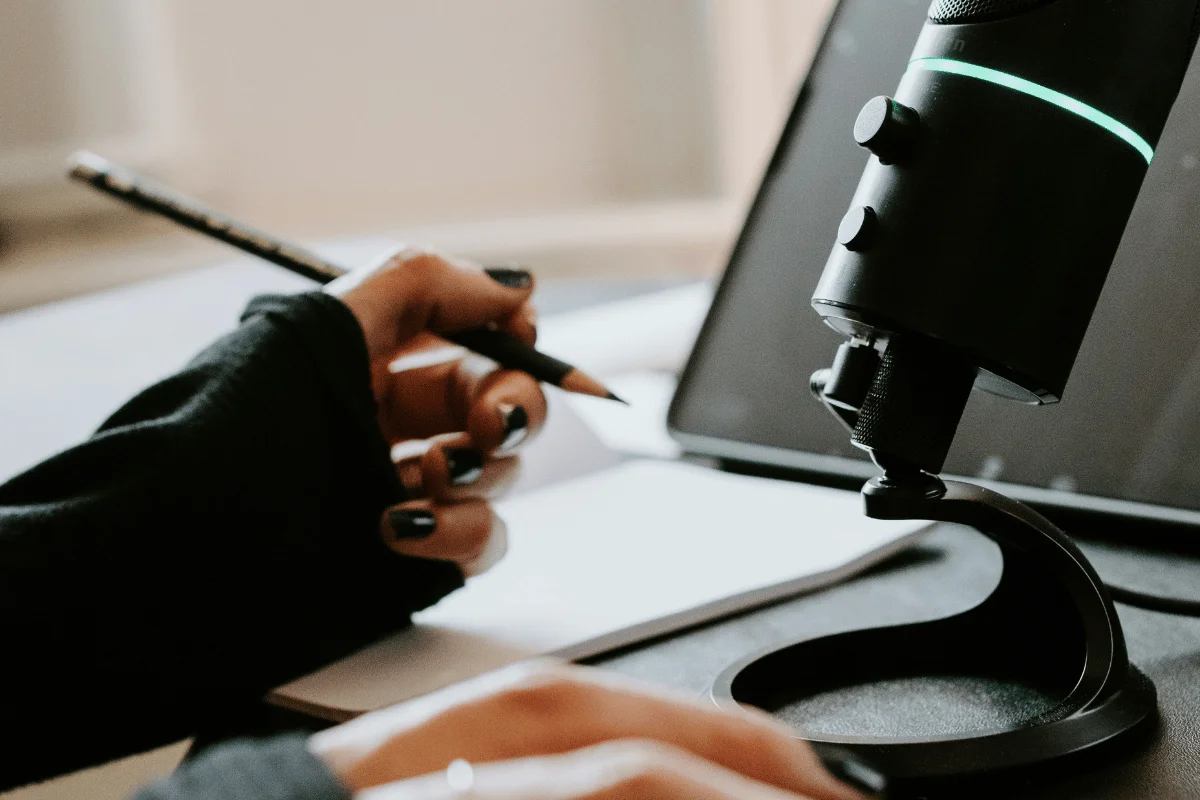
(454, 295)
(415, 290)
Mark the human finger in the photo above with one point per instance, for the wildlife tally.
(546, 709)
(415, 290)
(624, 770)
(468, 533)
(523, 324)
(507, 411)
(453, 469)
(499, 408)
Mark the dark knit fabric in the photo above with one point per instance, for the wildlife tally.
(274, 769)
(217, 536)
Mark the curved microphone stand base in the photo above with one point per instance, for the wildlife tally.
(1049, 625)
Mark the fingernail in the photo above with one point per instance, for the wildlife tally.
(412, 523)
(851, 770)
(511, 277)
(516, 425)
(464, 465)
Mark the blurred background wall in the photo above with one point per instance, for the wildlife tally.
(585, 137)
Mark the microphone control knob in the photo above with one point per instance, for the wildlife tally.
(888, 129)
(858, 227)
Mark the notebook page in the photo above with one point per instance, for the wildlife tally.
(610, 559)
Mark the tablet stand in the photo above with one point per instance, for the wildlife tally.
(1049, 625)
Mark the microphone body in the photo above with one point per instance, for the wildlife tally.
(1006, 168)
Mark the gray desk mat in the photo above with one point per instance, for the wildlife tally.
(955, 569)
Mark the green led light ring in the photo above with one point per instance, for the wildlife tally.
(1032, 89)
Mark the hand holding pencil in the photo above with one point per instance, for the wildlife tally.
(454, 420)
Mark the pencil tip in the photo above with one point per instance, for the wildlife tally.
(578, 382)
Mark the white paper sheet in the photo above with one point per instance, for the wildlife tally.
(635, 551)
(640, 428)
(650, 332)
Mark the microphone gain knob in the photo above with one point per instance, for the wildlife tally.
(888, 129)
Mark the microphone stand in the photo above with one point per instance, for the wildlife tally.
(1050, 625)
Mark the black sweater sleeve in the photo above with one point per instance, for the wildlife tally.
(277, 769)
(217, 536)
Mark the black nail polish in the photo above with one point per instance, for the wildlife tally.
(511, 277)
(415, 523)
(464, 465)
(516, 425)
(851, 770)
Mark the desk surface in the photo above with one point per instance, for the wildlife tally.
(956, 569)
(953, 571)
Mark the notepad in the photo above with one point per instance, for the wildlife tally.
(610, 559)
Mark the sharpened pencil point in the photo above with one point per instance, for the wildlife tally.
(612, 396)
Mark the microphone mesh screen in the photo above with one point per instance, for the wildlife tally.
(959, 12)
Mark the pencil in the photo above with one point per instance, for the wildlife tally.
(146, 195)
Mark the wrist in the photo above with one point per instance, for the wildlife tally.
(365, 312)
(339, 760)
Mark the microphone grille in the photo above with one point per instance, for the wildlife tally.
(915, 403)
(962, 12)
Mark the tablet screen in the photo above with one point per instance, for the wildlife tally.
(1128, 427)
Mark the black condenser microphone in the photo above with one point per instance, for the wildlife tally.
(1006, 168)
(1003, 175)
